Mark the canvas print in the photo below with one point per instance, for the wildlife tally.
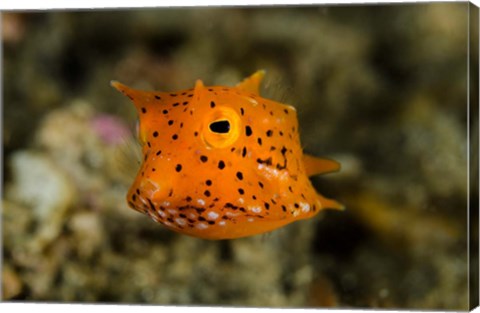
(301, 156)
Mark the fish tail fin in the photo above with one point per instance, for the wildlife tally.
(315, 166)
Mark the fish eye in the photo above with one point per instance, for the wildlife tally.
(220, 127)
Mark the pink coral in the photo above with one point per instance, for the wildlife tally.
(110, 129)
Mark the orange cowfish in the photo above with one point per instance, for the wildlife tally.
(222, 162)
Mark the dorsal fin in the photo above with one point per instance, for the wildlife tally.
(199, 87)
(252, 83)
(315, 166)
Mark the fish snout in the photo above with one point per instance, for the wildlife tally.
(149, 193)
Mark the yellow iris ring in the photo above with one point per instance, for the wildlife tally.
(221, 140)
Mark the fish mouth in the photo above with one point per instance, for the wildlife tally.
(145, 193)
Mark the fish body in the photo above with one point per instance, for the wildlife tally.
(222, 162)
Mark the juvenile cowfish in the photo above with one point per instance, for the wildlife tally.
(222, 162)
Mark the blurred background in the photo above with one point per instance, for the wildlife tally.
(380, 88)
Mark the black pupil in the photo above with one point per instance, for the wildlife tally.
(221, 127)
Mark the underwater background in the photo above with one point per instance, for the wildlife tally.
(380, 88)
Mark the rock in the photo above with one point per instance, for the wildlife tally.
(11, 283)
(41, 185)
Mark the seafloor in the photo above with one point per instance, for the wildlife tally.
(382, 89)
